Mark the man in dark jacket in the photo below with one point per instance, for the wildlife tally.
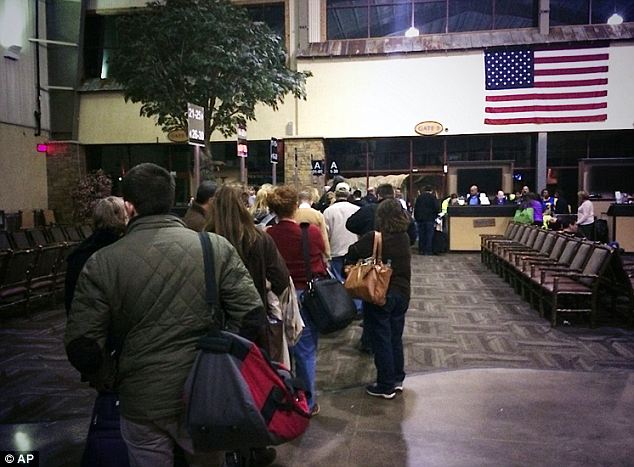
(425, 211)
(147, 290)
(362, 221)
(197, 214)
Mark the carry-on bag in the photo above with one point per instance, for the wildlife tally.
(369, 279)
(104, 445)
(328, 304)
(236, 397)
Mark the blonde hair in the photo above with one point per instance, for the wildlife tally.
(314, 195)
(583, 195)
(261, 204)
(110, 214)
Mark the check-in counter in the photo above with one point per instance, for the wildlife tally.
(466, 223)
(621, 219)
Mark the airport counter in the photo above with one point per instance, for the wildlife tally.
(621, 221)
(466, 223)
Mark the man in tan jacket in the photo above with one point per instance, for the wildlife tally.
(306, 213)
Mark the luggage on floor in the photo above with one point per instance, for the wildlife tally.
(601, 231)
(104, 445)
(440, 242)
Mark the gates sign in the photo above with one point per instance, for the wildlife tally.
(428, 128)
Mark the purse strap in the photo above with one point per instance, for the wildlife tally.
(377, 247)
(309, 274)
(211, 290)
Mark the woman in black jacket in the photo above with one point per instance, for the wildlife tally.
(384, 324)
(110, 220)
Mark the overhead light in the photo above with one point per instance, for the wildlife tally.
(13, 52)
(615, 19)
(412, 31)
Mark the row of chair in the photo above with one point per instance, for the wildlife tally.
(33, 238)
(556, 272)
(31, 274)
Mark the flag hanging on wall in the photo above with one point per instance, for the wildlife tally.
(530, 85)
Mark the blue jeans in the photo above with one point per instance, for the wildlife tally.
(384, 326)
(305, 354)
(425, 236)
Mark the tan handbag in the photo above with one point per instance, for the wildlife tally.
(369, 279)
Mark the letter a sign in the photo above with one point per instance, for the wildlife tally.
(318, 167)
(333, 169)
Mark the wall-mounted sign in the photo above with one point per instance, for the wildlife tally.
(333, 168)
(195, 124)
(273, 150)
(317, 167)
(243, 150)
(177, 136)
(428, 128)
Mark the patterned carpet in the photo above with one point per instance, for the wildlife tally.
(463, 316)
(460, 316)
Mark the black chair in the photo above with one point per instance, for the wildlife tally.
(43, 273)
(38, 237)
(4, 261)
(72, 233)
(86, 230)
(5, 242)
(57, 234)
(20, 240)
(14, 290)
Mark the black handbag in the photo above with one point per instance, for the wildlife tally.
(327, 302)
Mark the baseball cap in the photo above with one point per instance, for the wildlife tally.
(342, 187)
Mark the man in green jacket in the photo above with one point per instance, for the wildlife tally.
(146, 294)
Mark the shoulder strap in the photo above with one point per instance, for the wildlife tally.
(304, 227)
(211, 290)
(377, 247)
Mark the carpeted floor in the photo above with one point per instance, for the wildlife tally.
(461, 316)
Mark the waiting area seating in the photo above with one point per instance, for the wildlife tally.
(33, 263)
(559, 273)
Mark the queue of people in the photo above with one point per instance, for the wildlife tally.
(135, 292)
(136, 300)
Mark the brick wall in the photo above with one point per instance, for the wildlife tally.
(65, 166)
(307, 150)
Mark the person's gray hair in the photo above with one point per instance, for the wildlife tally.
(110, 214)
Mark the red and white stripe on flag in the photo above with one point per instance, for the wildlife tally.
(569, 86)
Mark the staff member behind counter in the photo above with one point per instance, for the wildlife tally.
(475, 198)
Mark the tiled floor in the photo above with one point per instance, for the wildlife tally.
(522, 393)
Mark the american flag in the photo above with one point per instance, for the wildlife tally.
(529, 85)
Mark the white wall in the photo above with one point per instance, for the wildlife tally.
(23, 181)
(105, 118)
(382, 96)
(372, 97)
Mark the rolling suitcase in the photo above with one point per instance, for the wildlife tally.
(440, 242)
(104, 445)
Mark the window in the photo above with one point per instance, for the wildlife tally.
(351, 19)
(603, 9)
(272, 15)
(611, 144)
(468, 148)
(429, 151)
(563, 12)
(517, 147)
(566, 148)
(100, 38)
